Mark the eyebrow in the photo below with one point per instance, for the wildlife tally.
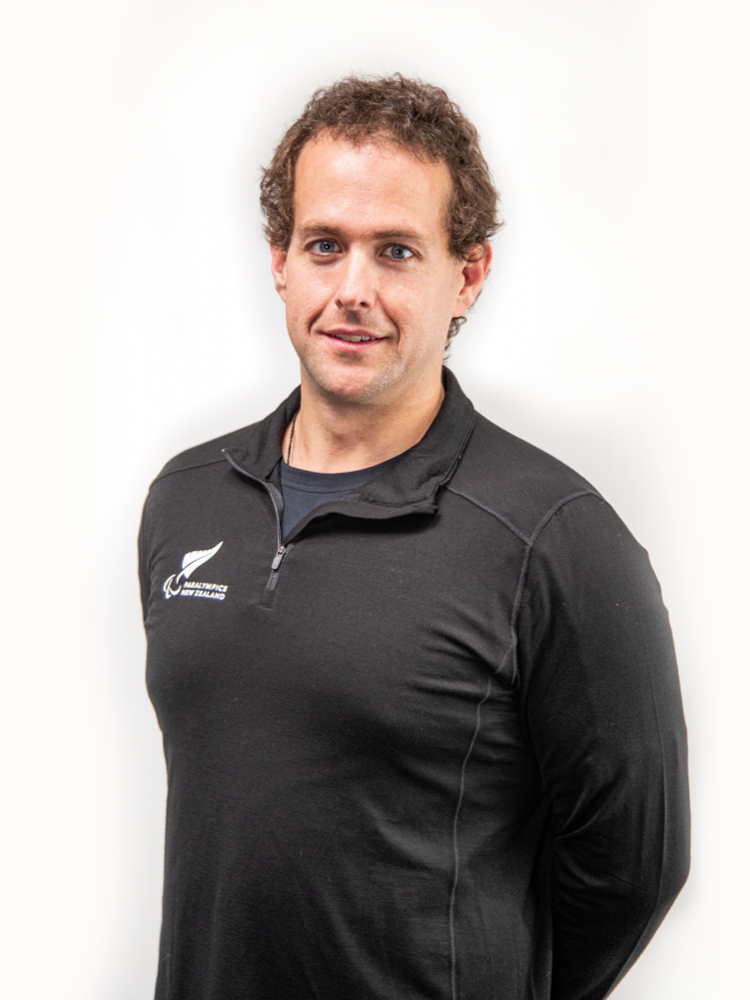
(396, 234)
(382, 234)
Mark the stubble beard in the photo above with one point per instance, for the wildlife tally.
(339, 388)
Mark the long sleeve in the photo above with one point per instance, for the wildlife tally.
(601, 702)
(143, 568)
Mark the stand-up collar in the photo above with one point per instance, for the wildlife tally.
(411, 482)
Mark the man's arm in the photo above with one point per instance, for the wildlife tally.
(601, 702)
(143, 569)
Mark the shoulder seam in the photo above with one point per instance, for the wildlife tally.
(523, 574)
(187, 468)
(554, 509)
(528, 540)
(503, 520)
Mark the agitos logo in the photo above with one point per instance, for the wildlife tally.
(178, 583)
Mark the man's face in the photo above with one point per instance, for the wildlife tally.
(369, 258)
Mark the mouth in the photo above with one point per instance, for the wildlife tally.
(352, 340)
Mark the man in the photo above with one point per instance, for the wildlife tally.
(423, 728)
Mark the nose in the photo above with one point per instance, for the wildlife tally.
(357, 285)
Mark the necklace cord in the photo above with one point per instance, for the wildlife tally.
(291, 439)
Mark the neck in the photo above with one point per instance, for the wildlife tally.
(334, 435)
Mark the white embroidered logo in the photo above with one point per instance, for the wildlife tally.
(177, 584)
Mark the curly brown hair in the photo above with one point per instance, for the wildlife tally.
(415, 115)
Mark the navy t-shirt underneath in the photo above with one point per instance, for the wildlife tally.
(304, 490)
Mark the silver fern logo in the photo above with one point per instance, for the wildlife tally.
(179, 584)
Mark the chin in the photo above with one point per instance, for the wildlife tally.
(356, 384)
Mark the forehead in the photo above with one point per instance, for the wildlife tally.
(370, 183)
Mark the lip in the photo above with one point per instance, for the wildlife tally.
(348, 345)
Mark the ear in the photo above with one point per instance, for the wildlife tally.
(278, 270)
(473, 272)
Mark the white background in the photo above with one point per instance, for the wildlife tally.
(138, 318)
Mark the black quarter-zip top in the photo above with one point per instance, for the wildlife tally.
(426, 745)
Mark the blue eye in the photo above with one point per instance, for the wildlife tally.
(325, 246)
(397, 252)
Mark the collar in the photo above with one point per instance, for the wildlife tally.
(409, 486)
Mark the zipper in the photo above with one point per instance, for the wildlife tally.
(273, 577)
(278, 507)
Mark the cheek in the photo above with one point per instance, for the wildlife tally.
(424, 302)
(413, 292)
(306, 297)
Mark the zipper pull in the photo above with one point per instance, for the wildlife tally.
(278, 557)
